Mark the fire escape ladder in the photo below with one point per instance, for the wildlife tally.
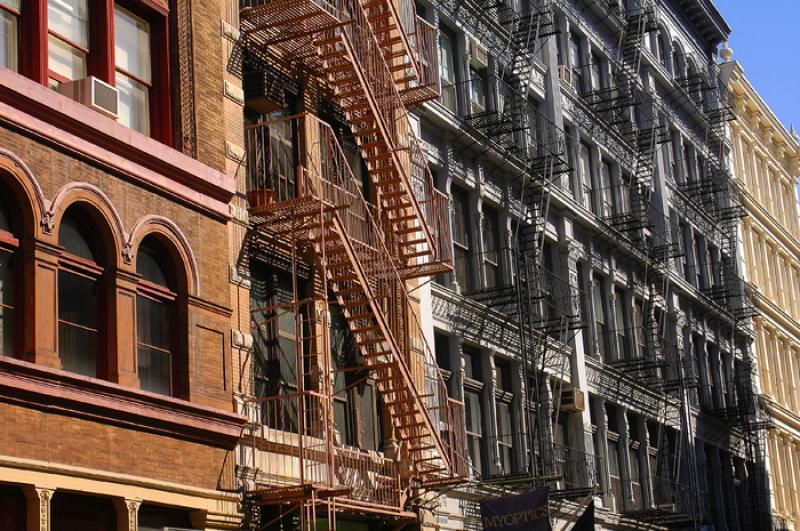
(365, 90)
(366, 281)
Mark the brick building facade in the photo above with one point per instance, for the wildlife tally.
(116, 377)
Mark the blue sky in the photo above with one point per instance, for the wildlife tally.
(764, 41)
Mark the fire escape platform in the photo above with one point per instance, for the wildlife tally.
(297, 493)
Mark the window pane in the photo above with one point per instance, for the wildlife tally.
(153, 322)
(148, 264)
(77, 348)
(155, 370)
(77, 300)
(65, 60)
(73, 237)
(132, 44)
(70, 19)
(8, 40)
(134, 104)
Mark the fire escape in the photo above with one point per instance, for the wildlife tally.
(372, 59)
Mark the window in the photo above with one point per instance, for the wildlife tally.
(461, 238)
(575, 62)
(594, 65)
(599, 316)
(585, 175)
(505, 426)
(8, 247)
(447, 71)
(473, 391)
(133, 75)
(636, 480)
(620, 309)
(491, 245)
(68, 40)
(9, 33)
(606, 192)
(661, 47)
(80, 303)
(639, 330)
(479, 90)
(355, 410)
(155, 319)
(276, 337)
(614, 469)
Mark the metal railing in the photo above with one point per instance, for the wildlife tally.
(324, 174)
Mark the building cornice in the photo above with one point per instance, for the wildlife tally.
(61, 392)
(706, 18)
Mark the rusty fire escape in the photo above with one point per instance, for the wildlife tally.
(367, 241)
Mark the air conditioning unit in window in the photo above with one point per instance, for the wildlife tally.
(178, 529)
(572, 400)
(478, 56)
(565, 75)
(94, 93)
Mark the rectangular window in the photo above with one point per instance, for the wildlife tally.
(621, 325)
(133, 69)
(575, 61)
(614, 470)
(491, 246)
(479, 90)
(68, 39)
(472, 404)
(153, 337)
(606, 192)
(636, 485)
(447, 70)
(78, 334)
(585, 175)
(639, 330)
(600, 316)
(461, 238)
(9, 33)
(6, 304)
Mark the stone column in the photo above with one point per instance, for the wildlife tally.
(602, 449)
(122, 367)
(38, 502)
(571, 252)
(479, 278)
(490, 417)
(648, 497)
(41, 340)
(127, 513)
(624, 461)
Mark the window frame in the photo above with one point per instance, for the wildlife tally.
(160, 295)
(81, 267)
(17, 14)
(33, 52)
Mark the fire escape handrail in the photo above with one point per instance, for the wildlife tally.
(360, 220)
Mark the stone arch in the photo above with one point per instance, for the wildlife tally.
(99, 205)
(176, 239)
(29, 198)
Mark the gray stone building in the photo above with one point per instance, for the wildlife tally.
(582, 144)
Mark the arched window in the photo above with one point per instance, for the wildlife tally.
(663, 54)
(81, 302)
(156, 318)
(677, 70)
(8, 248)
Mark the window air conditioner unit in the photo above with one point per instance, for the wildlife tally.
(572, 400)
(178, 529)
(478, 56)
(565, 75)
(94, 93)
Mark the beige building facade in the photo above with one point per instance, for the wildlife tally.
(765, 163)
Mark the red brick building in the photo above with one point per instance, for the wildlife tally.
(115, 294)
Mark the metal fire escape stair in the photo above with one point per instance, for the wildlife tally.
(363, 277)
(365, 88)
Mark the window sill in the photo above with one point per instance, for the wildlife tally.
(60, 392)
(42, 112)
